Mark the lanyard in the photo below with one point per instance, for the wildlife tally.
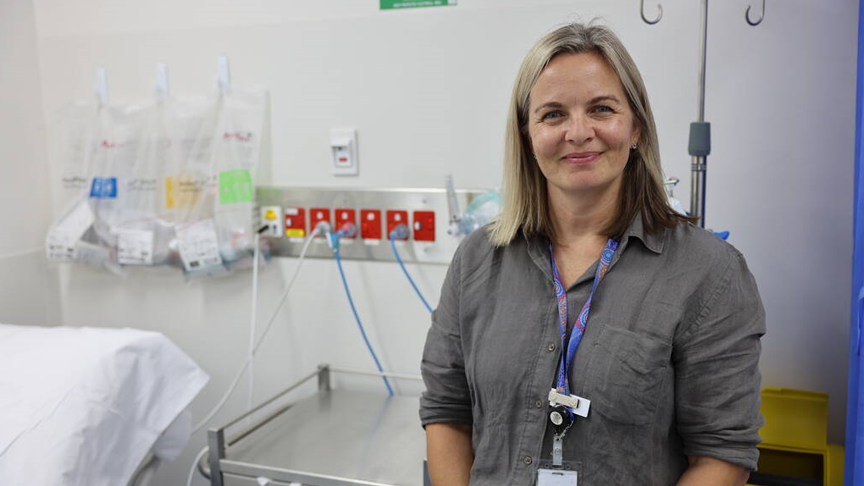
(562, 383)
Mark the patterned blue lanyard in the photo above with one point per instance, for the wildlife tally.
(563, 384)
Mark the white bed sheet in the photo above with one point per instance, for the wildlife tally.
(82, 406)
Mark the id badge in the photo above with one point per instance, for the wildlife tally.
(556, 477)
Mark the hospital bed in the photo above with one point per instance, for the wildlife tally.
(86, 406)
(334, 437)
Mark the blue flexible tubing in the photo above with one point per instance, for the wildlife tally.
(336, 236)
(405, 270)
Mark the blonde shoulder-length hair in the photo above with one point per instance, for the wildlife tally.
(525, 203)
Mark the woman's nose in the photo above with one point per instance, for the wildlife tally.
(579, 130)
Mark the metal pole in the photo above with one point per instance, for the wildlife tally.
(697, 189)
(700, 135)
(216, 443)
(404, 376)
(702, 60)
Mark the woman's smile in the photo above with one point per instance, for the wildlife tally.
(581, 158)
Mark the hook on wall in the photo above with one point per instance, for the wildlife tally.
(644, 18)
(161, 87)
(100, 89)
(223, 75)
(761, 17)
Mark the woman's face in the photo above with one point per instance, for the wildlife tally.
(580, 124)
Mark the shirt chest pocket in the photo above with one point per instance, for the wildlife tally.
(626, 375)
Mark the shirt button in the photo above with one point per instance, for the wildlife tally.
(551, 347)
(527, 460)
(538, 404)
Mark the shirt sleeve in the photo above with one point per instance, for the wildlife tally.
(717, 378)
(447, 398)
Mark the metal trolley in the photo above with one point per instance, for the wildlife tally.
(332, 438)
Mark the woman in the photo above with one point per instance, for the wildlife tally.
(664, 388)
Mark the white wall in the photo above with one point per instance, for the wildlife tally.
(427, 91)
(28, 285)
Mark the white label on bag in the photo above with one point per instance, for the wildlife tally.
(135, 247)
(61, 240)
(60, 245)
(199, 246)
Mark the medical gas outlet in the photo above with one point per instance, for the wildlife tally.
(424, 225)
(343, 147)
(394, 219)
(370, 224)
(317, 215)
(344, 218)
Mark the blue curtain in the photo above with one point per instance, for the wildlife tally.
(854, 473)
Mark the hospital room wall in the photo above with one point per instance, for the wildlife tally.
(28, 286)
(427, 91)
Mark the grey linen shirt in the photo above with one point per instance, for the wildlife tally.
(669, 358)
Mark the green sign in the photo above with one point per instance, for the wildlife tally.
(392, 4)
(235, 186)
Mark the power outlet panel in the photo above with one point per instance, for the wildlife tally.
(295, 222)
(271, 220)
(426, 243)
(343, 145)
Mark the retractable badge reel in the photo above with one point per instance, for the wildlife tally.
(564, 408)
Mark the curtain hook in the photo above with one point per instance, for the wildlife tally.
(761, 17)
(642, 12)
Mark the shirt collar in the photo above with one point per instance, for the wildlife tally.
(538, 247)
(538, 251)
(652, 241)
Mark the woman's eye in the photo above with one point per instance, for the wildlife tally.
(603, 109)
(552, 115)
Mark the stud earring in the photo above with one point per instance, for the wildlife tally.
(633, 147)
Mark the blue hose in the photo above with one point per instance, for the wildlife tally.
(334, 238)
(393, 235)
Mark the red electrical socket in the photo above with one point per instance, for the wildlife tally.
(345, 216)
(424, 226)
(316, 215)
(295, 222)
(394, 219)
(370, 224)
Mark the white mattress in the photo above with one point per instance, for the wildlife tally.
(82, 406)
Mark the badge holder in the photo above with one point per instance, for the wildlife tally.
(563, 413)
(556, 477)
(558, 473)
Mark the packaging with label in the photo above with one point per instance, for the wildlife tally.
(236, 154)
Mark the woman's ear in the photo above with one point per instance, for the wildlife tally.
(637, 133)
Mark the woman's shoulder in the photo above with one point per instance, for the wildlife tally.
(476, 246)
(701, 248)
(701, 238)
(478, 249)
